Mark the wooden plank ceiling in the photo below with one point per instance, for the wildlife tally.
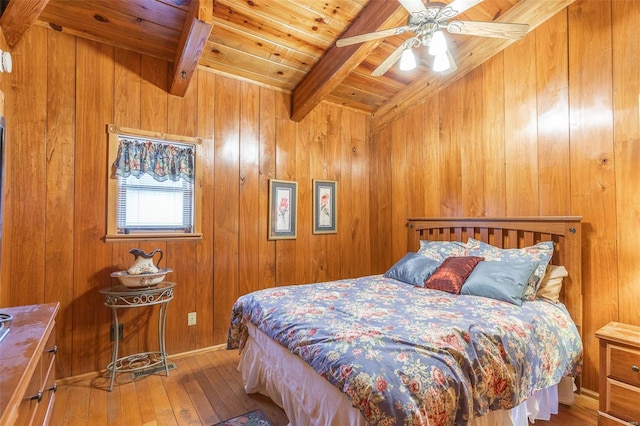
(284, 44)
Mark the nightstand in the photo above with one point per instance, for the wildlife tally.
(619, 374)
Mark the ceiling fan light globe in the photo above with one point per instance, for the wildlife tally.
(407, 61)
(441, 63)
(438, 44)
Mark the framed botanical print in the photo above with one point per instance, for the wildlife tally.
(283, 209)
(325, 213)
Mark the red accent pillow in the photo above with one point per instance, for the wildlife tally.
(451, 275)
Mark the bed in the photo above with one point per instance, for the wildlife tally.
(383, 350)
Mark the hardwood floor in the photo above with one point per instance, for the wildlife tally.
(584, 412)
(204, 389)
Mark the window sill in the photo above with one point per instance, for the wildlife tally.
(152, 237)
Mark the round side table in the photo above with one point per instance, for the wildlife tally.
(122, 297)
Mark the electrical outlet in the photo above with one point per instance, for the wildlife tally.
(191, 318)
(120, 332)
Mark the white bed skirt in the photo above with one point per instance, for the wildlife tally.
(308, 399)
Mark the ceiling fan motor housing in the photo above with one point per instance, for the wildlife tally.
(429, 14)
(423, 25)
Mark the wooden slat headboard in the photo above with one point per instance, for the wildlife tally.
(515, 232)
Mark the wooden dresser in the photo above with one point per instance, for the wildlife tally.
(619, 375)
(27, 365)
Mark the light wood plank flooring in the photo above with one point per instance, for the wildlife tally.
(204, 389)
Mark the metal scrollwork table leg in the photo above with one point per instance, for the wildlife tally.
(121, 297)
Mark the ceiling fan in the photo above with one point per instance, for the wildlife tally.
(427, 21)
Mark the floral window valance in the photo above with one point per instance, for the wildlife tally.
(161, 160)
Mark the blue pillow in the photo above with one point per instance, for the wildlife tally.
(440, 250)
(505, 281)
(413, 269)
(540, 253)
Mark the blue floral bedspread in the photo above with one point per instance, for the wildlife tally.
(405, 355)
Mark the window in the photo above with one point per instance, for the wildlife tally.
(153, 183)
(146, 205)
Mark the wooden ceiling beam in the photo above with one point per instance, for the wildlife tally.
(193, 40)
(338, 62)
(470, 55)
(19, 17)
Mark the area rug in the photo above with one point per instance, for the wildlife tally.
(253, 418)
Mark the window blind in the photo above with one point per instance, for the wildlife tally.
(147, 205)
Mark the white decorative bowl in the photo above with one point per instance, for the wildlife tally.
(141, 280)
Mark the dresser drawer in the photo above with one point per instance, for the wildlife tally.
(624, 364)
(29, 404)
(622, 401)
(48, 386)
(37, 403)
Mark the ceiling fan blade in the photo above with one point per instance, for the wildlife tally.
(371, 36)
(388, 63)
(414, 7)
(489, 29)
(456, 7)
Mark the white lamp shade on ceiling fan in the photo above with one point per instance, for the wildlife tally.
(407, 61)
(438, 44)
(441, 62)
(5, 62)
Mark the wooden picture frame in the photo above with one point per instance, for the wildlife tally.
(325, 202)
(283, 209)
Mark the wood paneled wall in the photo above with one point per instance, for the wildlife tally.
(548, 127)
(62, 93)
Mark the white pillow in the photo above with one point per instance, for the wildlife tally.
(551, 283)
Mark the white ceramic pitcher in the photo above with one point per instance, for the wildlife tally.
(143, 263)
